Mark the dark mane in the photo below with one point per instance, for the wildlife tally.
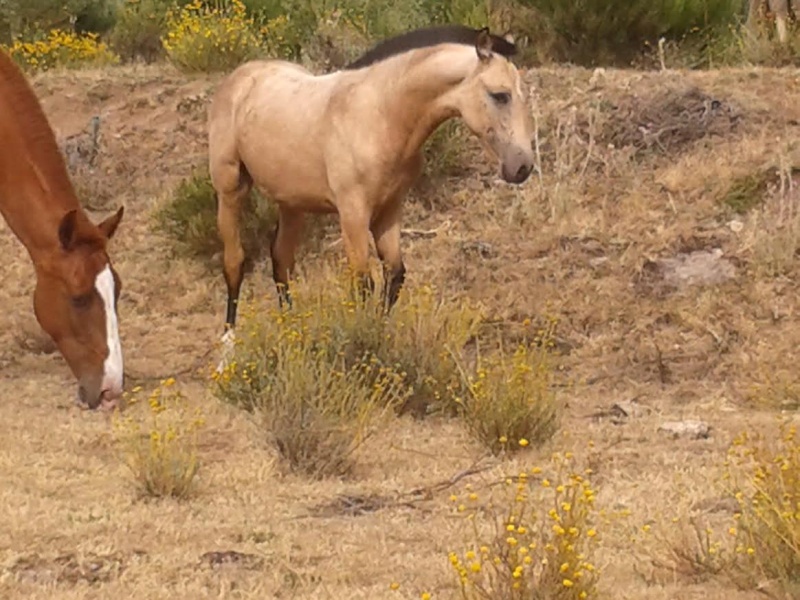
(426, 37)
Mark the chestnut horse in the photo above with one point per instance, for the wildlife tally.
(75, 299)
(351, 142)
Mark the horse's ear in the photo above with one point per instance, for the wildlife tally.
(483, 45)
(68, 229)
(109, 225)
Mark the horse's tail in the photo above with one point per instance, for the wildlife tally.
(228, 171)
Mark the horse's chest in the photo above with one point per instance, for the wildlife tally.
(396, 178)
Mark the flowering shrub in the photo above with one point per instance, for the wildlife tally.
(204, 39)
(61, 49)
(160, 449)
(537, 542)
(767, 531)
(315, 406)
(759, 548)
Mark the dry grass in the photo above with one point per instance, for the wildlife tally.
(573, 244)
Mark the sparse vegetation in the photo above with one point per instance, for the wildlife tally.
(759, 546)
(160, 448)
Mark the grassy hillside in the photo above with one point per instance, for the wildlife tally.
(658, 247)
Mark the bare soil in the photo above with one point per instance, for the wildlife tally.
(595, 241)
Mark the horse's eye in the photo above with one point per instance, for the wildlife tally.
(81, 302)
(501, 98)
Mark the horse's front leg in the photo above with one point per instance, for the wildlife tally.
(354, 222)
(386, 231)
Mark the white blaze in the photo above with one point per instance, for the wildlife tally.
(112, 366)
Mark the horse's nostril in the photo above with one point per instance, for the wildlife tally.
(523, 171)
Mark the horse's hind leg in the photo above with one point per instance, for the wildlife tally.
(288, 234)
(232, 183)
(386, 232)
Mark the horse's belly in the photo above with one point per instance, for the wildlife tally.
(312, 204)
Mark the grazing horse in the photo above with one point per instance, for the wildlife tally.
(350, 142)
(75, 299)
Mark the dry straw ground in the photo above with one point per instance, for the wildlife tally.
(634, 167)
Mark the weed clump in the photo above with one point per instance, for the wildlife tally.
(538, 541)
(746, 192)
(776, 226)
(759, 548)
(509, 403)
(160, 449)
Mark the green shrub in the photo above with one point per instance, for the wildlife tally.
(189, 219)
(137, 33)
(595, 32)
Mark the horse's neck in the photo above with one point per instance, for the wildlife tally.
(420, 86)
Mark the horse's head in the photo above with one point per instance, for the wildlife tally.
(494, 104)
(75, 302)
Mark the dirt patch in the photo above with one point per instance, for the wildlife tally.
(231, 558)
(71, 568)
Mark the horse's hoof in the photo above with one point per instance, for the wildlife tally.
(228, 341)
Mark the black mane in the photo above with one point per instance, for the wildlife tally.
(426, 37)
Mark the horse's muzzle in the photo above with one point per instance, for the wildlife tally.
(105, 400)
(517, 172)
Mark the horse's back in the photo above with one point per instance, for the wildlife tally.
(271, 116)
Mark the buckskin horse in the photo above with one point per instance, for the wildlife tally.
(75, 298)
(351, 142)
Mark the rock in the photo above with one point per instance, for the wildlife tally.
(702, 267)
(694, 430)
